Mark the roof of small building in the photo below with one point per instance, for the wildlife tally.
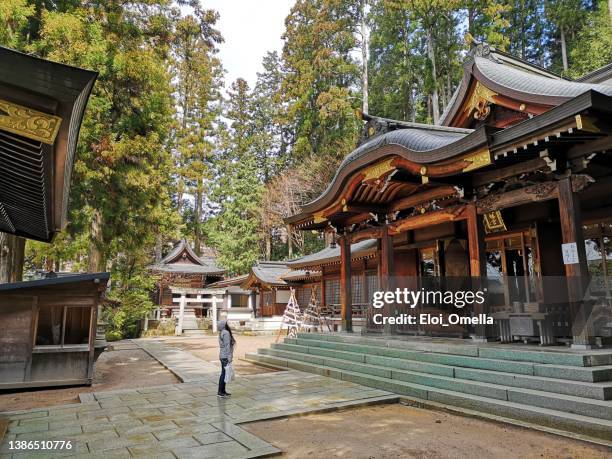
(182, 259)
(331, 254)
(64, 278)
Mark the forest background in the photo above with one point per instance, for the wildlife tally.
(166, 152)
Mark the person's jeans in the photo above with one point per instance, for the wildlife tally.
(224, 363)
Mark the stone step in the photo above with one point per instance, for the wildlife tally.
(577, 405)
(584, 425)
(585, 374)
(598, 391)
(499, 352)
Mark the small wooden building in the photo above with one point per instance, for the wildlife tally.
(48, 330)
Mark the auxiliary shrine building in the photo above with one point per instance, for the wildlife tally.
(514, 184)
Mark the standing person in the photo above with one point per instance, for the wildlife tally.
(226, 353)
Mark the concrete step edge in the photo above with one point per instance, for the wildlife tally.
(526, 366)
(596, 427)
(549, 400)
(517, 355)
(604, 387)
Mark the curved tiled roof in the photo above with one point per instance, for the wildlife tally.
(421, 144)
(529, 83)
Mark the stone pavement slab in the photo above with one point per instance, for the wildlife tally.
(182, 420)
(186, 366)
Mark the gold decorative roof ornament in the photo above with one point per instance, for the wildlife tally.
(480, 100)
(376, 171)
(319, 218)
(477, 160)
(29, 123)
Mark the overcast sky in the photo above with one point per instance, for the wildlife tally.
(250, 29)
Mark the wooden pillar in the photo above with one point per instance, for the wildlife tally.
(476, 242)
(387, 270)
(478, 267)
(576, 272)
(345, 283)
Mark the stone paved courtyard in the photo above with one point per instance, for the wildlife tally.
(182, 420)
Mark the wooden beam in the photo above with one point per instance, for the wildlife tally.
(534, 193)
(538, 192)
(484, 178)
(429, 218)
(368, 233)
(424, 196)
(345, 284)
(602, 144)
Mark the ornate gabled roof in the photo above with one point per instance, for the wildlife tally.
(182, 259)
(494, 77)
(41, 108)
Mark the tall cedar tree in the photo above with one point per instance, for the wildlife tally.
(198, 101)
(320, 87)
(235, 230)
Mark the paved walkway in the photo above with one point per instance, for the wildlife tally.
(187, 367)
(183, 420)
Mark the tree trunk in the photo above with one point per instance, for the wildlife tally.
(564, 49)
(96, 260)
(197, 243)
(435, 109)
(364, 58)
(610, 9)
(289, 242)
(268, 238)
(158, 247)
(12, 250)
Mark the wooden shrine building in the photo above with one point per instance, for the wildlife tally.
(515, 183)
(48, 326)
(182, 289)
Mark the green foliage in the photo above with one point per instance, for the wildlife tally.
(235, 230)
(14, 15)
(593, 48)
(320, 81)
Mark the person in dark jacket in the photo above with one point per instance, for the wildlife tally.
(226, 353)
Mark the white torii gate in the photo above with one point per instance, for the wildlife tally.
(183, 301)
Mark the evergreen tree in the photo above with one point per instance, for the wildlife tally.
(235, 230)
(593, 45)
(320, 82)
(198, 99)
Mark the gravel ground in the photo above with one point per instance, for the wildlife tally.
(122, 366)
(398, 431)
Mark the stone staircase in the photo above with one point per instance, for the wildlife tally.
(558, 389)
(190, 324)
